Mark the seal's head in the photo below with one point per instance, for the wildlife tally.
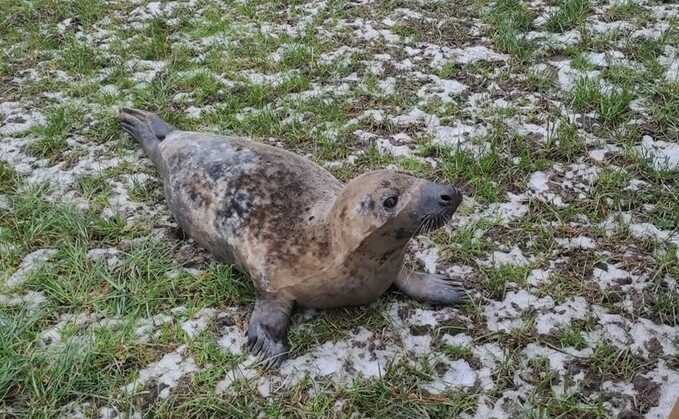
(389, 207)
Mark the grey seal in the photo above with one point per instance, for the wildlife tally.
(301, 235)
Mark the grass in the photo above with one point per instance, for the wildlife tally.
(570, 14)
(609, 362)
(52, 136)
(611, 106)
(8, 177)
(511, 19)
(627, 10)
(495, 281)
(665, 108)
(81, 59)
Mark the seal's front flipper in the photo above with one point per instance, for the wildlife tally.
(268, 329)
(431, 288)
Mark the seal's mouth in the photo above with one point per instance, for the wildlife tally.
(434, 221)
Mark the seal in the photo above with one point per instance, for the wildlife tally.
(301, 235)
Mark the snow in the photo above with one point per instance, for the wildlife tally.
(29, 264)
(562, 315)
(668, 378)
(661, 154)
(506, 315)
(577, 243)
(165, 373)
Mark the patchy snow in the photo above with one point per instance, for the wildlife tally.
(458, 374)
(562, 315)
(445, 90)
(611, 275)
(199, 322)
(513, 257)
(506, 315)
(16, 119)
(389, 84)
(539, 188)
(577, 243)
(661, 154)
(110, 256)
(668, 378)
(342, 360)
(164, 374)
(428, 258)
(29, 264)
(30, 299)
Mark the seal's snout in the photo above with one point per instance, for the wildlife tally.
(447, 197)
(450, 197)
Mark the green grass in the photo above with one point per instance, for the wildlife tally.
(570, 14)
(511, 19)
(612, 107)
(494, 281)
(39, 381)
(665, 108)
(609, 362)
(8, 177)
(572, 337)
(81, 59)
(627, 10)
(51, 143)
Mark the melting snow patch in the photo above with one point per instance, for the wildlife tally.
(539, 188)
(568, 75)
(429, 258)
(577, 243)
(361, 354)
(506, 315)
(147, 328)
(30, 263)
(514, 257)
(165, 373)
(662, 155)
(458, 374)
(31, 299)
(562, 315)
(110, 256)
(611, 276)
(642, 336)
(16, 120)
(199, 323)
(668, 379)
(442, 89)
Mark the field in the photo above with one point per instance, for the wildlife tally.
(559, 119)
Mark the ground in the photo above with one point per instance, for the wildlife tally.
(559, 119)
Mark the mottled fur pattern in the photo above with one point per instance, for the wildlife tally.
(302, 236)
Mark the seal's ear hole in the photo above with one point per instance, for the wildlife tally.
(390, 202)
(311, 218)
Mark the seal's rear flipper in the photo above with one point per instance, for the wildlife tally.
(145, 127)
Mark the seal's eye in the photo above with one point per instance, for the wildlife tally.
(390, 202)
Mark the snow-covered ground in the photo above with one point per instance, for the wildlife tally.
(557, 119)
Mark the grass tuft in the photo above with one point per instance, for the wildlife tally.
(570, 14)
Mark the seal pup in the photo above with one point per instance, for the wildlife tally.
(302, 236)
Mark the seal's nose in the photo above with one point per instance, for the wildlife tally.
(450, 197)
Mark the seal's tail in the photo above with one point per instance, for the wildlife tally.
(147, 128)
